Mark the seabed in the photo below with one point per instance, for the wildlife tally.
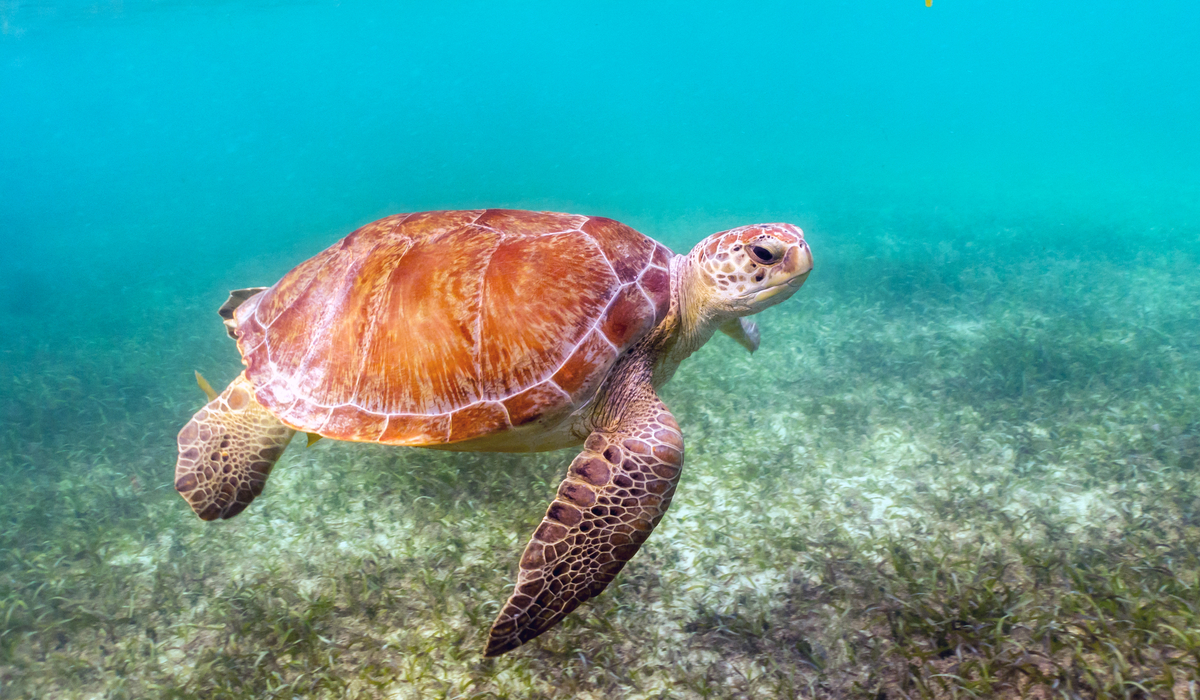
(969, 471)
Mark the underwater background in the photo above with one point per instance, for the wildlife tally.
(965, 461)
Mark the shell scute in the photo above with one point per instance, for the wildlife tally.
(531, 319)
(346, 319)
(662, 256)
(534, 403)
(416, 430)
(306, 413)
(425, 225)
(627, 254)
(477, 420)
(265, 308)
(586, 366)
(628, 316)
(529, 223)
(656, 284)
(359, 425)
(419, 356)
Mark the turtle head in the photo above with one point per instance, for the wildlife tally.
(747, 269)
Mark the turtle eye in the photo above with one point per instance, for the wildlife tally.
(762, 255)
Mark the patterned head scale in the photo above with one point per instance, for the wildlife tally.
(752, 267)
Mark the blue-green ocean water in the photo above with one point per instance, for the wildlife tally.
(155, 154)
(145, 141)
(170, 150)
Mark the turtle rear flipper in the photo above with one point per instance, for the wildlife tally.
(226, 452)
(236, 298)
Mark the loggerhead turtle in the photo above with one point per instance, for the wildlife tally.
(492, 330)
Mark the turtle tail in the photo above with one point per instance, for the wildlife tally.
(226, 452)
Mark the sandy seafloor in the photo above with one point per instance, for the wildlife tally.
(965, 461)
(982, 475)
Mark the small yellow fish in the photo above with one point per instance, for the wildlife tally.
(205, 386)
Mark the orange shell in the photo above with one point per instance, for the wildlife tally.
(439, 327)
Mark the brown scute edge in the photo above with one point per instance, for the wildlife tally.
(627, 317)
(519, 221)
(303, 413)
(421, 223)
(416, 430)
(477, 420)
(354, 424)
(656, 284)
(662, 256)
(280, 297)
(265, 395)
(628, 252)
(579, 374)
(530, 404)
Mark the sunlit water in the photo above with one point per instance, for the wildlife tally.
(1002, 200)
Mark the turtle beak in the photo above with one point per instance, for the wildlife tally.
(789, 275)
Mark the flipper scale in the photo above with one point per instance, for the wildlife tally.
(226, 452)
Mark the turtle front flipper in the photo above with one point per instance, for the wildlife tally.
(744, 331)
(616, 491)
(226, 452)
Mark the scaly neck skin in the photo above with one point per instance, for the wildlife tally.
(688, 325)
(692, 319)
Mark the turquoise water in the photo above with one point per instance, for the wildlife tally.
(1002, 201)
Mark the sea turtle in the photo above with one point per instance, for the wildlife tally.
(492, 330)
